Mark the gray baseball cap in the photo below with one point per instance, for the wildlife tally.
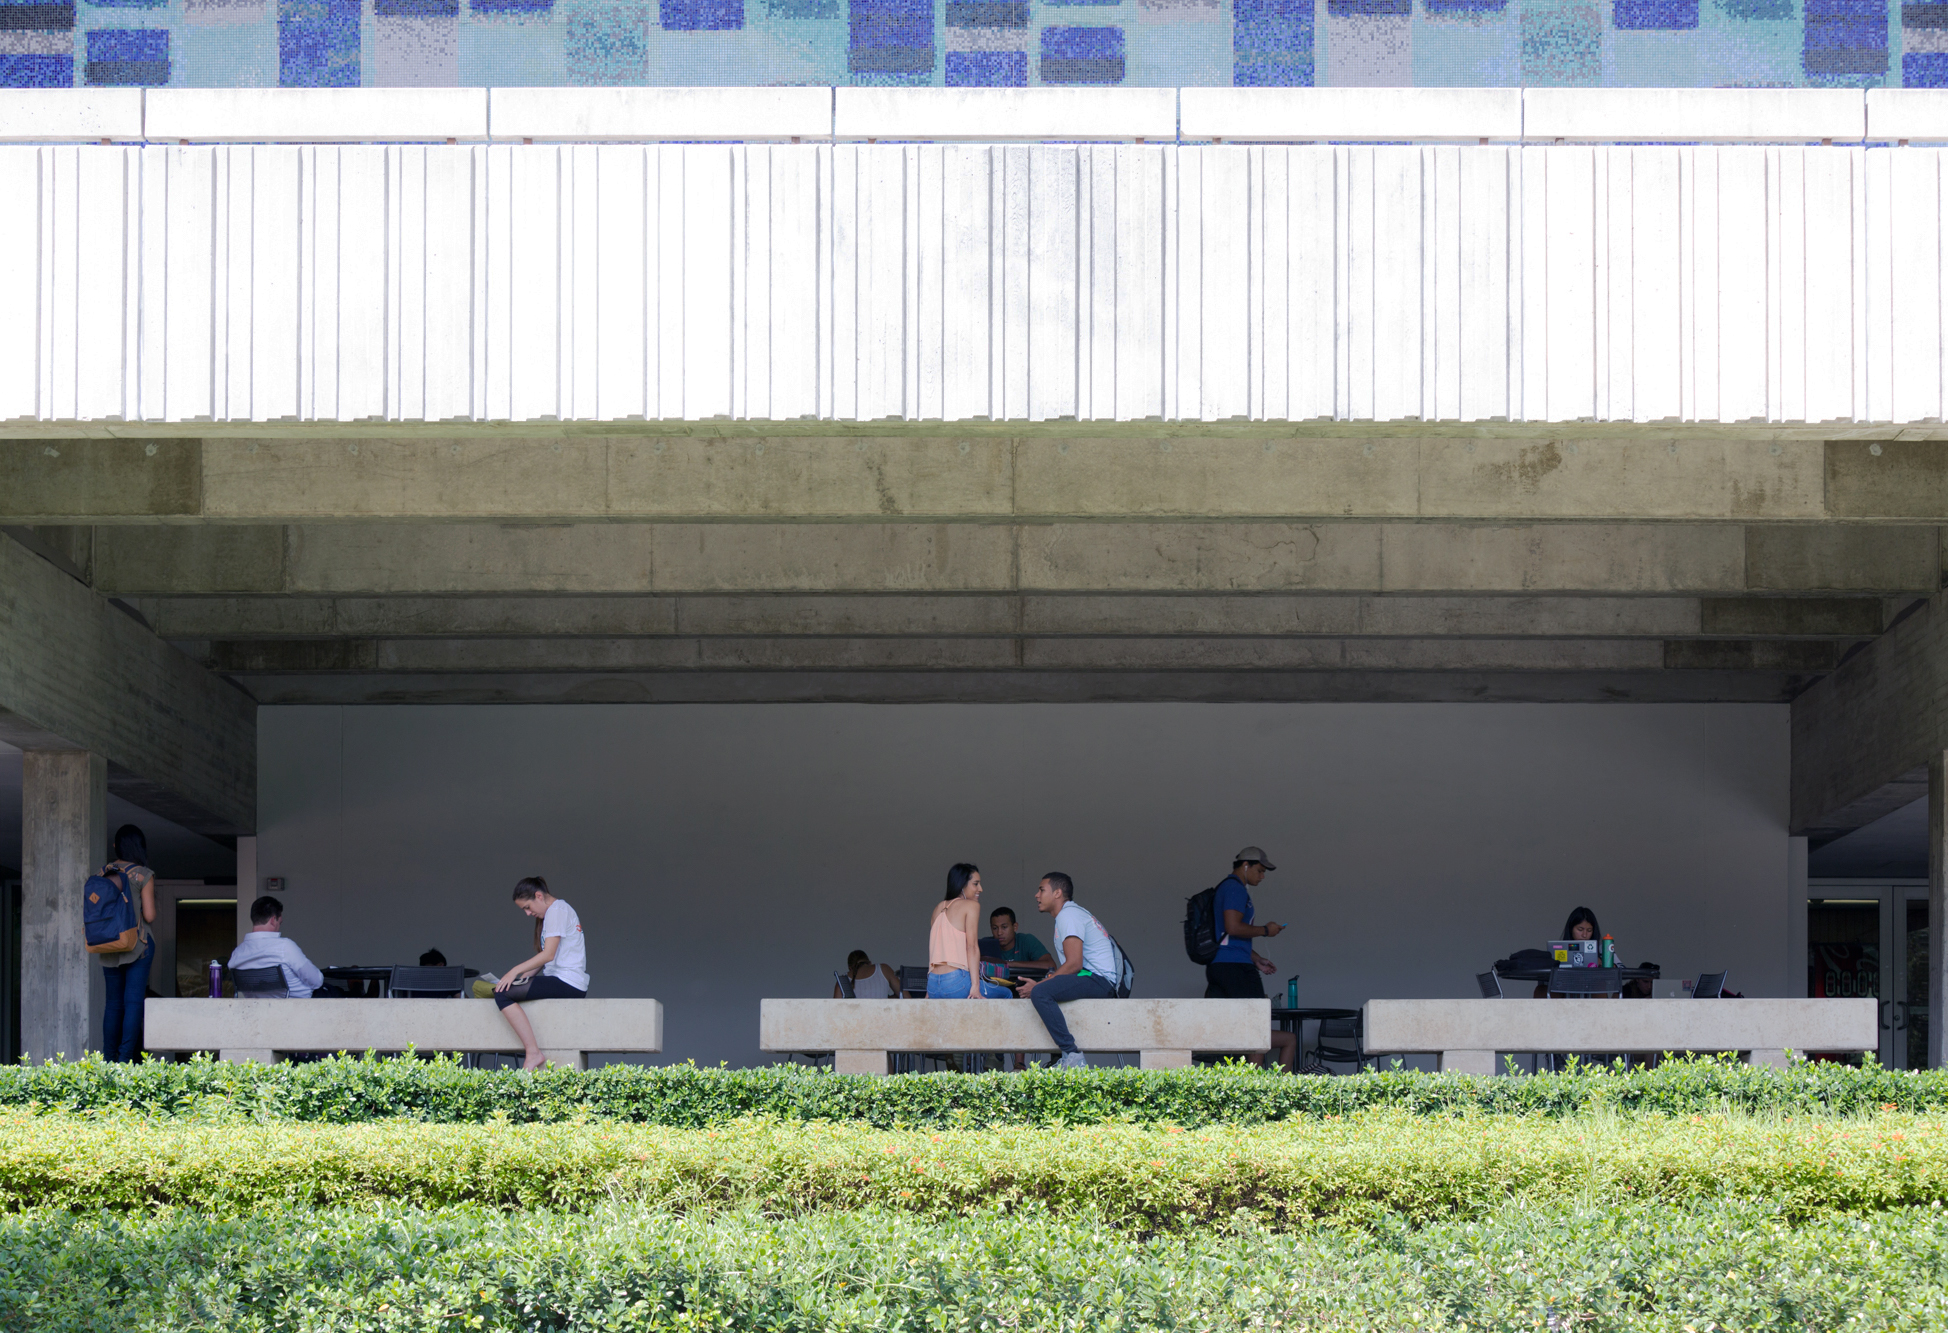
(1254, 854)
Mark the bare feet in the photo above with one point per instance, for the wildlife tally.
(533, 1061)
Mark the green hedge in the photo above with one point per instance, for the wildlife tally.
(353, 1089)
(1358, 1171)
(1624, 1267)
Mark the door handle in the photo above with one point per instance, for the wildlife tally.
(1900, 1016)
(1886, 1015)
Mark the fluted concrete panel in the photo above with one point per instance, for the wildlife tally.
(1000, 281)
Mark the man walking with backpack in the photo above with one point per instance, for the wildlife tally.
(1090, 969)
(1236, 971)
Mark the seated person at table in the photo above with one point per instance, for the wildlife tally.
(1008, 945)
(869, 982)
(558, 970)
(265, 945)
(1580, 926)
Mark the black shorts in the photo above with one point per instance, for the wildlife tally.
(540, 986)
(1233, 981)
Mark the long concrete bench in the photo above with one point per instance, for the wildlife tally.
(1467, 1034)
(238, 1030)
(862, 1033)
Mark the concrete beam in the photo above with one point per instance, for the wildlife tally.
(1511, 474)
(1064, 686)
(1056, 557)
(1267, 614)
(77, 673)
(1860, 736)
(923, 653)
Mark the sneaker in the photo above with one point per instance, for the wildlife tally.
(1074, 1060)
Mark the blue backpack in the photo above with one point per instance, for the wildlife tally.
(108, 912)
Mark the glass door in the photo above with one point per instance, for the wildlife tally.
(1870, 938)
(1910, 992)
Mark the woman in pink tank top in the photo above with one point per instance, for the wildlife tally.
(954, 942)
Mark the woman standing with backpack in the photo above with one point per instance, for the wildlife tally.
(125, 975)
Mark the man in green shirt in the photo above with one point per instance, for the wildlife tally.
(1008, 945)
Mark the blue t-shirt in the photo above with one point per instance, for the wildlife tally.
(1232, 895)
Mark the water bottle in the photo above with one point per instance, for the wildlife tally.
(216, 979)
(1292, 993)
(1609, 952)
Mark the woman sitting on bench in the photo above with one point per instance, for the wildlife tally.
(558, 971)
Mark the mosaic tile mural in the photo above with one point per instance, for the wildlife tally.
(986, 43)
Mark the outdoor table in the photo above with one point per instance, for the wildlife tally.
(1541, 974)
(357, 979)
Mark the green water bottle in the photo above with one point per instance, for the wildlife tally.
(1609, 952)
(1292, 993)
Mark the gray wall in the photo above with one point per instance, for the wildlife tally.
(720, 853)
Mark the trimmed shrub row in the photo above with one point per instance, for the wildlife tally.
(343, 1089)
(1626, 1266)
(1359, 1172)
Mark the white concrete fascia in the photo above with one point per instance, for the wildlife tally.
(1694, 115)
(997, 114)
(1455, 115)
(648, 114)
(1908, 113)
(69, 115)
(317, 115)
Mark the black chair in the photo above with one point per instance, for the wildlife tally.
(1584, 983)
(1491, 985)
(1711, 986)
(427, 983)
(260, 983)
(845, 986)
(1340, 1042)
(913, 982)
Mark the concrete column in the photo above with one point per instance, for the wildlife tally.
(1937, 903)
(64, 839)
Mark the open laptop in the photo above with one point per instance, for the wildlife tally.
(1576, 953)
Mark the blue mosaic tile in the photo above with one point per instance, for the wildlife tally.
(1271, 43)
(987, 69)
(986, 43)
(318, 43)
(1656, 15)
(1846, 41)
(1073, 55)
(702, 15)
(892, 39)
(127, 57)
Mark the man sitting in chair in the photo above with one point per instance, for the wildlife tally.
(266, 946)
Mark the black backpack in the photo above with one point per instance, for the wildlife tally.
(1201, 931)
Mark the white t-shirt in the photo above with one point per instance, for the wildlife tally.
(571, 955)
(1098, 956)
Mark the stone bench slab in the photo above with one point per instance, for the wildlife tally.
(1468, 1033)
(860, 1033)
(566, 1030)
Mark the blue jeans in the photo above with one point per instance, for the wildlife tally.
(953, 986)
(121, 1015)
(1047, 997)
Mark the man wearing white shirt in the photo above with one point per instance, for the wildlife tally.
(1088, 968)
(265, 945)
